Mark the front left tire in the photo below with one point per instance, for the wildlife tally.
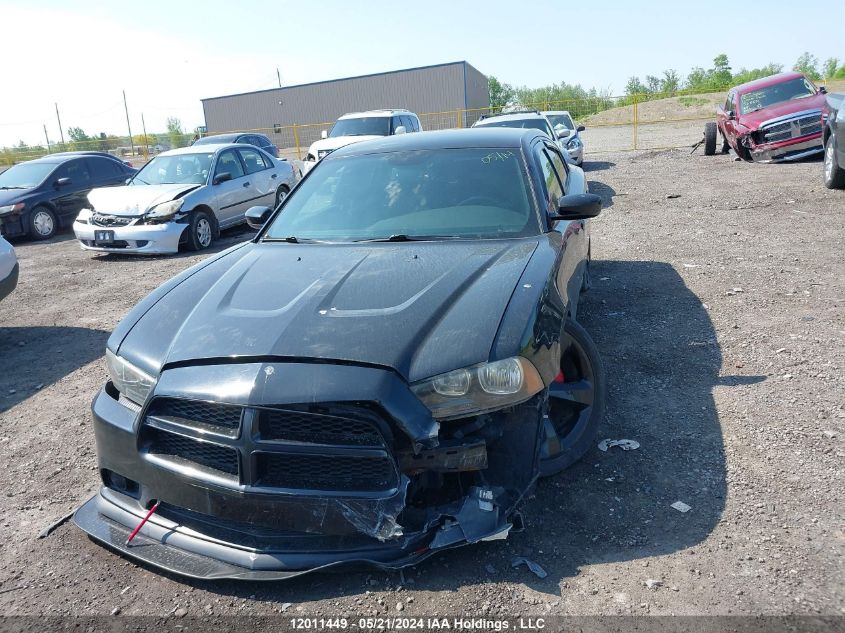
(42, 223)
(576, 402)
(710, 133)
(200, 231)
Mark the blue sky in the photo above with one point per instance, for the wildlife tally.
(168, 55)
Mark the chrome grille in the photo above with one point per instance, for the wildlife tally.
(803, 124)
(321, 448)
(103, 219)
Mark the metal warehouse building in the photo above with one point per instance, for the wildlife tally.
(293, 116)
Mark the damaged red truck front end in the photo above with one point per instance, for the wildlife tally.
(773, 119)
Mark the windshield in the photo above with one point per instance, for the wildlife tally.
(365, 126)
(430, 194)
(25, 175)
(528, 124)
(179, 168)
(561, 122)
(798, 88)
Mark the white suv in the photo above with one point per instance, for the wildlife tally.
(361, 126)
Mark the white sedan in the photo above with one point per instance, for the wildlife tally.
(183, 197)
(8, 268)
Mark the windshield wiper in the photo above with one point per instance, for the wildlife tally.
(290, 239)
(401, 237)
(12, 187)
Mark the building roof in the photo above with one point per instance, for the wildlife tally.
(328, 81)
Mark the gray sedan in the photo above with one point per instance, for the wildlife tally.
(183, 197)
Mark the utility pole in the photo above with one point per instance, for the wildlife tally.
(146, 141)
(58, 118)
(126, 108)
(279, 77)
(47, 138)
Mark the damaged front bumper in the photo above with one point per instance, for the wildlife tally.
(786, 151)
(313, 485)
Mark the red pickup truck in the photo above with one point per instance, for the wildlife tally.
(771, 119)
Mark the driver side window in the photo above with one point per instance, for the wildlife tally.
(229, 162)
(552, 186)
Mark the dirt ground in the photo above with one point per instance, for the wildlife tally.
(719, 308)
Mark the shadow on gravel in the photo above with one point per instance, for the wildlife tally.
(32, 358)
(662, 361)
(605, 191)
(596, 165)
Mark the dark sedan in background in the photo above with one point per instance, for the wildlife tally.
(245, 138)
(40, 196)
(833, 136)
(381, 374)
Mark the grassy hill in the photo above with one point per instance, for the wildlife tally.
(674, 108)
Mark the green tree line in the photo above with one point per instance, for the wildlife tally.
(720, 76)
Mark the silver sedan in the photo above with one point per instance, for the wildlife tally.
(183, 197)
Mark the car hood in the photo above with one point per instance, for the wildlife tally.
(10, 196)
(339, 141)
(135, 199)
(753, 120)
(420, 308)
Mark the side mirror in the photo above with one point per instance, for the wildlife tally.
(578, 206)
(256, 217)
(324, 134)
(580, 128)
(221, 177)
(564, 133)
(62, 182)
(823, 90)
(400, 130)
(730, 114)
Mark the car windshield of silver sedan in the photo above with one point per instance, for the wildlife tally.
(476, 193)
(175, 169)
(365, 126)
(787, 91)
(561, 122)
(25, 175)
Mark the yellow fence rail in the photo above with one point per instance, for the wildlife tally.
(621, 123)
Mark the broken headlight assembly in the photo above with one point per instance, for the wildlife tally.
(480, 388)
(164, 212)
(133, 383)
(12, 208)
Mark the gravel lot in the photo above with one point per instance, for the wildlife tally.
(721, 318)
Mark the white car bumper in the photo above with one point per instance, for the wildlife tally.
(144, 239)
(577, 154)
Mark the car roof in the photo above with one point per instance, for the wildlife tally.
(765, 82)
(55, 159)
(205, 148)
(492, 137)
(374, 113)
(219, 138)
(516, 116)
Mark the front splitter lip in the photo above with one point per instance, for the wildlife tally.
(188, 554)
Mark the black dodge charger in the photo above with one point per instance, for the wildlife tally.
(382, 373)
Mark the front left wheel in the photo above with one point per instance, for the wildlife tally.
(834, 173)
(710, 133)
(576, 402)
(200, 231)
(42, 223)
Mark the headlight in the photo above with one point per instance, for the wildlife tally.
(478, 389)
(128, 379)
(84, 216)
(165, 210)
(574, 143)
(9, 208)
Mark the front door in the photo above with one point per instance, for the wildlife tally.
(232, 193)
